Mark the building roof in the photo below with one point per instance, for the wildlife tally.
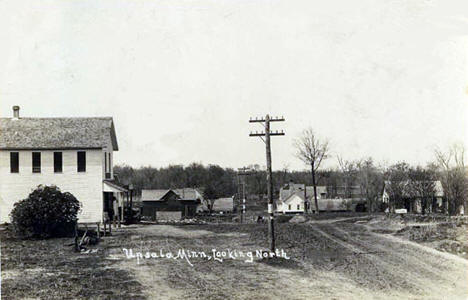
(223, 204)
(439, 190)
(188, 194)
(289, 189)
(153, 195)
(57, 133)
(185, 194)
(320, 190)
(291, 197)
(114, 186)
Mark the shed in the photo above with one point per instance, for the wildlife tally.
(225, 205)
(154, 201)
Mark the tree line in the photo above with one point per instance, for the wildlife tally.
(402, 181)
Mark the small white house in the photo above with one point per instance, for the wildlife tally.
(75, 154)
(293, 204)
(295, 197)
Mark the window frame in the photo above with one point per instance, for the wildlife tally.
(105, 162)
(81, 163)
(58, 170)
(36, 168)
(14, 168)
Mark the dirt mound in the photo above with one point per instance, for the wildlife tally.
(387, 224)
(446, 237)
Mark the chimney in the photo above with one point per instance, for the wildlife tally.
(16, 109)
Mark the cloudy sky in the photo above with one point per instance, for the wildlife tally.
(387, 79)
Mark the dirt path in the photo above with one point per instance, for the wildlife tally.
(394, 264)
(339, 261)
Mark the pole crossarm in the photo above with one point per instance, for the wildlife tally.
(264, 134)
(267, 134)
(262, 120)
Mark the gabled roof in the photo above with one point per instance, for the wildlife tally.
(185, 194)
(289, 189)
(188, 194)
(57, 133)
(291, 197)
(153, 195)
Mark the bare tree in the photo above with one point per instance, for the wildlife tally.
(370, 180)
(396, 185)
(349, 170)
(312, 151)
(454, 178)
(422, 186)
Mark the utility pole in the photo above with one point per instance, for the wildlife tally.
(242, 172)
(267, 134)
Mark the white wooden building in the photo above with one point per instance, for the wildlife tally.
(75, 154)
(295, 197)
(293, 204)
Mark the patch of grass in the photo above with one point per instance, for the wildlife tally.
(50, 269)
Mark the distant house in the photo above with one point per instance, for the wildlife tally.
(413, 202)
(225, 205)
(184, 200)
(296, 197)
(294, 203)
(191, 194)
(75, 154)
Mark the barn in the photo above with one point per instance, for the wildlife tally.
(166, 204)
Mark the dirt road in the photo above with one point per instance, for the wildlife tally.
(336, 260)
(343, 259)
(387, 263)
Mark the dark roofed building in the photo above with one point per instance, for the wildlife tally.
(153, 195)
(75, 154)
(184, 200)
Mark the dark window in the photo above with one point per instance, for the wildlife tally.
(105, 162)
(14, 162)
(36, 162)
(298, 207)
(58, 162)
(106, 169)
(81, 161)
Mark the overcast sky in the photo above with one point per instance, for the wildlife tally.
(387, 79)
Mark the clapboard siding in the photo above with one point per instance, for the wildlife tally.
(86, 186)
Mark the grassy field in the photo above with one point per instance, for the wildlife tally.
(334, 257)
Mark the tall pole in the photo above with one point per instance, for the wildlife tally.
(267, 134)
(239, 194)
(241, 173)
(271, 225)
(243, 201)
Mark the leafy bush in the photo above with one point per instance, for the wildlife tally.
(47, 212)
